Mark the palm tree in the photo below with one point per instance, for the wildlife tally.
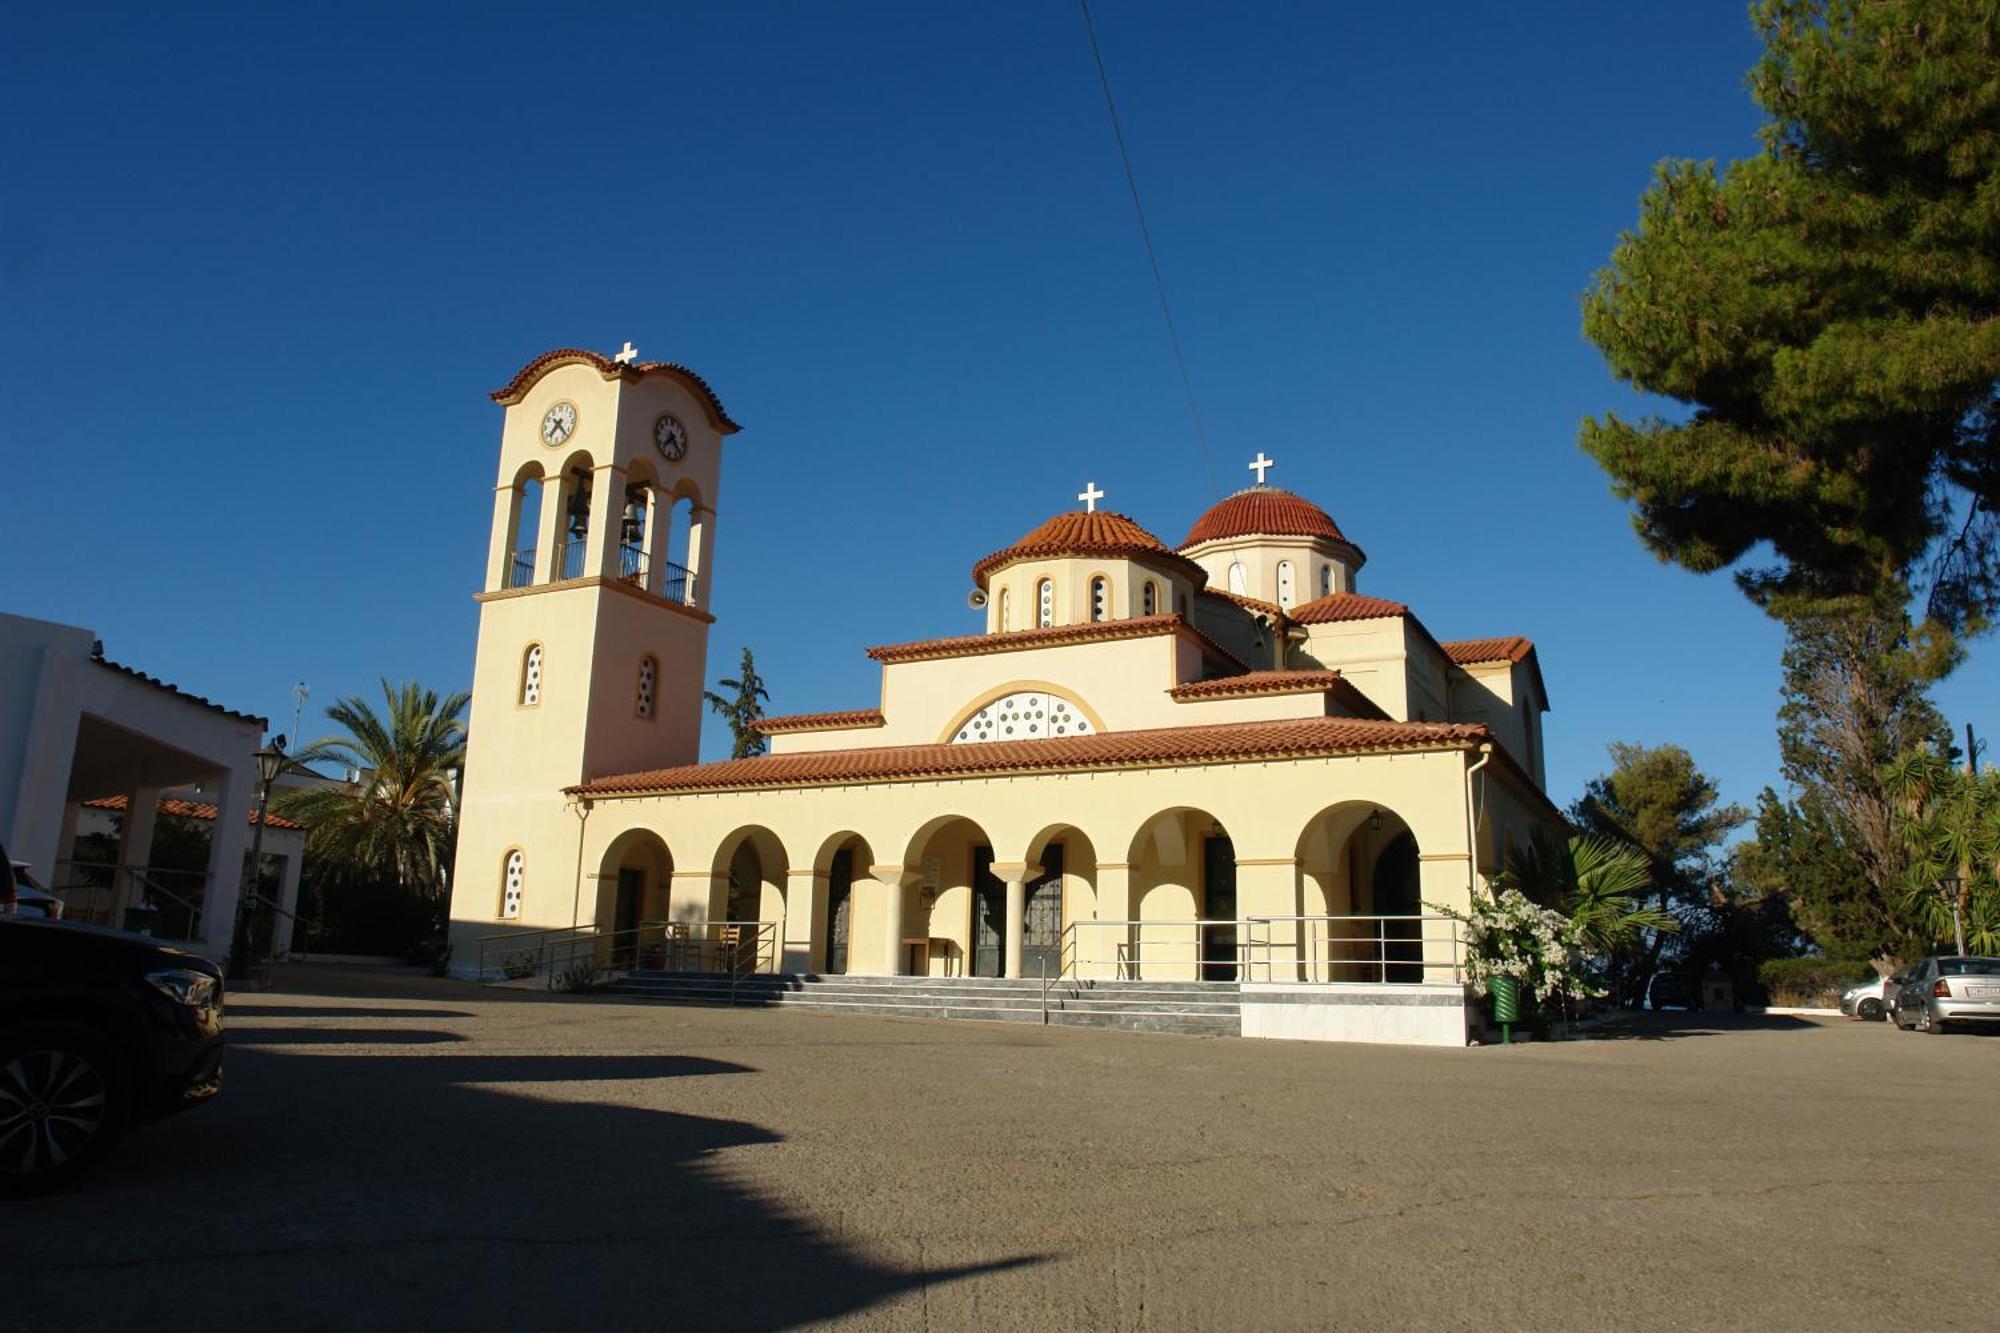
(742, 711)
(1951, 827)
(1594, 880)
(398, 823)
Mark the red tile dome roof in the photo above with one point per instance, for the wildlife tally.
(1264, 511)
(1082, 534)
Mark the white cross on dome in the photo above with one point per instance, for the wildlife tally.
(1090, 496)
(1260, 465)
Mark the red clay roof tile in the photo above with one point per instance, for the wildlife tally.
(1507, 648)
(968, 645)
(1264, 511)
(1083, 534)
(1229, 742)
(1346, 606)
(524, 379)
(836, 721)
(1253, 683)
(174, 805)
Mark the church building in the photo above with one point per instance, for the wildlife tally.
(1218, 762)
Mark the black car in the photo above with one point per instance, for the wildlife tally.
(100, 1030)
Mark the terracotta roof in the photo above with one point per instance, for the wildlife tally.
(524, 379)
(1469, 652)
(853, 717)
(1010, 641)
(1253, 683)
(1511, 648)
(1261, 607)
(1346, 606)
(1083, 534)
(174, 805)
(195, 699)
(1264, 511)
(1229, 742)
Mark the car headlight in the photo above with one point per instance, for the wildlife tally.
(196, 990)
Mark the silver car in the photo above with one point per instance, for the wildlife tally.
(1871, 999)
(1946, 991)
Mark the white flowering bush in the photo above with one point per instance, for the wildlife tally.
(1507, 935)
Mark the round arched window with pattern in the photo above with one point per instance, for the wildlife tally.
(1025, 715)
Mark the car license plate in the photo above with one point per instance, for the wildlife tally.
(1983, 992)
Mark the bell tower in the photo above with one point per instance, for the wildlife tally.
(593, 621)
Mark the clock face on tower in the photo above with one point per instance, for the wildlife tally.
(558, 424)
(671, 436)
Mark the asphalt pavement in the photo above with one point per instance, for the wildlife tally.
(393, 1151)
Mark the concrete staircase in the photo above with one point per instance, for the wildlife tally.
(1198, 1008)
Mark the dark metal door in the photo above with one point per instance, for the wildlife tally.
(1041, 936)
(1218, 884)
(839, 901)
(989, 916)
(1397, 894)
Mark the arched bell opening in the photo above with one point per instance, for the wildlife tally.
(575, 495)
(523, 524)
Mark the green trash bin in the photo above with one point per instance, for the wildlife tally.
(1506, 993)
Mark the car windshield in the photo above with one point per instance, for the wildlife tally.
(1969, 967)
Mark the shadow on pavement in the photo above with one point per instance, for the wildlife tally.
(242, 1036)
(327, 1190)
(1673, 1024)
(236, 1011)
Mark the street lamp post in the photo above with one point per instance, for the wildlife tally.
(1949, 886)
(270, 760)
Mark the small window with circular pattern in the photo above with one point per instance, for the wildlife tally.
(1026, 715)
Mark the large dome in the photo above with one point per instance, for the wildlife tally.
(1264, 511)
(1099, 533)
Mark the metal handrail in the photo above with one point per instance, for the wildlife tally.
(1310, 956)
(517, 938)
(149, 887)
(632, 562)
(521, 568)
(732, 948)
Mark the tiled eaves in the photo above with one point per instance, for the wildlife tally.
(1102, 532)
(524, 379)
(1022, 640)
(202, 810)
(846, 720)
(1509, 649)
(1169, 747)
(178, 692)
(1253, 684)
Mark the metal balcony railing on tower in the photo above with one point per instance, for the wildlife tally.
(678, 585)
(572, 557)
(632, 563)
(521, 568)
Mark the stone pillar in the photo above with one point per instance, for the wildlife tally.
(1101, 946)
(1015, 876)
(1268, 888)
(701, 545)
(500, 556)
(804, 948)
(551, 525)
(895, 882)
(135, 851)
(657, 510)
(1441, 878)
(227, 847)
(607, 509)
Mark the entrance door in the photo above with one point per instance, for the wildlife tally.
(1218, 901)
(1041, 936)
(839, 904)
(625, 915)
(1397, 896)
(989, 916)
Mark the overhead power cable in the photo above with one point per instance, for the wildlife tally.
(1152, 256)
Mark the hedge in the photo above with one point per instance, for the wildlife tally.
(1809, 983)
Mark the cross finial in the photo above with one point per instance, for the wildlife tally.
(627, 354)
(1260, 465)
(1090, 496)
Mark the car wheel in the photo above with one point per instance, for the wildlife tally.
(1933, 1025)
(1869, 1009)
(64, 1095)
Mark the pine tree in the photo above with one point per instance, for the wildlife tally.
(1829, 312)
(742, 710)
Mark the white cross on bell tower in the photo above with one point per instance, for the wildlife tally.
(1090, 495)
(627, 354)
(1260, 465)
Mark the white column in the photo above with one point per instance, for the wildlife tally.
(657, 536)
(226, 849)
(135, 850)
(805, 908)
(607, 508)
(550, 526)
(895, 882)
(1015, 876)
(500, 557)
(1100, 947)
(701, 541)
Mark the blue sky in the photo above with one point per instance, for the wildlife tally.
(259, 267)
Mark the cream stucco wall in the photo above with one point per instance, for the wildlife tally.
(1013, 588)
(1260, 558)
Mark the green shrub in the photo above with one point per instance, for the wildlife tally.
(1809, 983)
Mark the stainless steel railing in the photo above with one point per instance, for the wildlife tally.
(1309, 950)
(92, 892)
(720, 948)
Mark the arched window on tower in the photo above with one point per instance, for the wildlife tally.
(1045, 603)
(675, 557)
(1006, 611)
(1150, 599)
(512, 875)
(1239, 582)
(649, 680)
(1100, 598)
(524, 528)
(531, 676)
(1286, 595)
(1326, 580)
(576, 524)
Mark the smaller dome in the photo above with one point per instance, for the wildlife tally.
(1078, 534)
(1264, 511)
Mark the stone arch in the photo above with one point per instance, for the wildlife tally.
(1360, 859)
(841, 873)
(1068, 860)
(1183, 872)
(635, 877)
(747, 891)
(950, 899)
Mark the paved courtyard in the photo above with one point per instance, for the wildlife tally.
(394, 1151)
